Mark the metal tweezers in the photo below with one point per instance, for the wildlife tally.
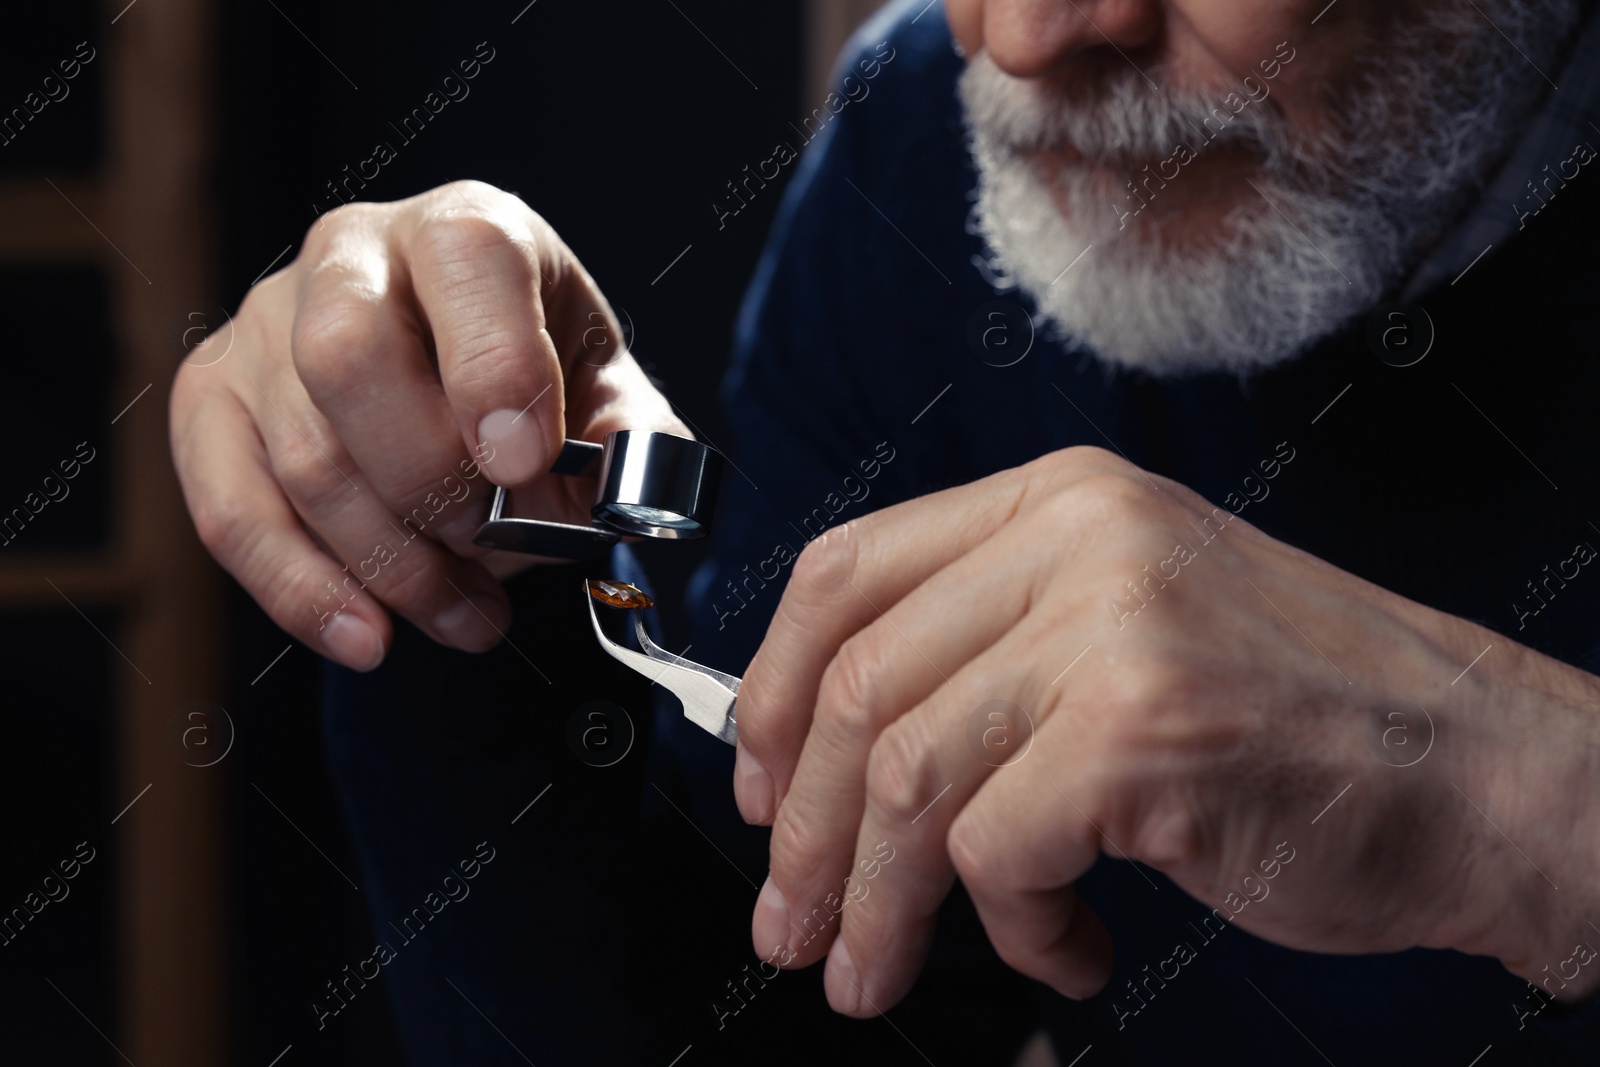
(708, 695)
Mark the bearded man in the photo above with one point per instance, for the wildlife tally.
(1193, 393)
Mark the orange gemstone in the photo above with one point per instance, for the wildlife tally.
(619, 594)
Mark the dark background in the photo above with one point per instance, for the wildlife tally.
(619, 123)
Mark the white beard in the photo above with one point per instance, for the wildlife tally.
(1348, 214)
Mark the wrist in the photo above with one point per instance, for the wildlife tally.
(1537, 823)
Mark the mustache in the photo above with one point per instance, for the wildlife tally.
(1122, 115)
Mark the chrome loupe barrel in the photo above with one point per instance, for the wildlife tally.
(656, 485)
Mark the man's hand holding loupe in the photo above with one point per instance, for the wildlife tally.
(330, 442)
(1198, 697)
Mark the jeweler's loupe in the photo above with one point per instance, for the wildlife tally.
(648, 484)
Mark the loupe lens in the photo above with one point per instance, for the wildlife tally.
(651, 516)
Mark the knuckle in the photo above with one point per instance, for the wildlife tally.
(488, 201)
(1113, 496)
(1087, 473)
(760, 718)
(432, 506)
(1172, 837)
(482, 355)
(225, 526)
(1062, 510)
(845, 699)
(795, 846)
(289, 595)
(343, 215)
(459, 239)
(771, 725)
(328, 339)
(902, 775)
(408, 583)
(1093, 457)
(1150, 686)
(826, 564)
(1078, 461)
(232, 531)
(471, 188)
(330, 227)
(267, 296)
(1100, 501)
(308, 476)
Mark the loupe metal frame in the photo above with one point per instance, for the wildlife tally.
(648, 484)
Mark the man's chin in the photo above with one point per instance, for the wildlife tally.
(1185, 294)
(1127, 199)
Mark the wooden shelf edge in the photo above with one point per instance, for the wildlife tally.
(55, 580)
(45, 218)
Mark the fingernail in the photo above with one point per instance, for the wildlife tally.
(770, 925)
(352, 641)
(474, 623)
(516, 445)
(752, 788)
(840, 980)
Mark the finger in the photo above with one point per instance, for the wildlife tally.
(248, 525)
(1018, 846)
(879, 674)
(480, 291)
(625, 400)
(362, 360)
(455, 601)
(1050, 935)
(923, 773)
(616, 396)
(601, 398)
(920, 773)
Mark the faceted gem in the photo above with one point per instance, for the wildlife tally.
(619, 594)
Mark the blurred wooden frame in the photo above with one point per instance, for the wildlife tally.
(153, 198)
(158, 191)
